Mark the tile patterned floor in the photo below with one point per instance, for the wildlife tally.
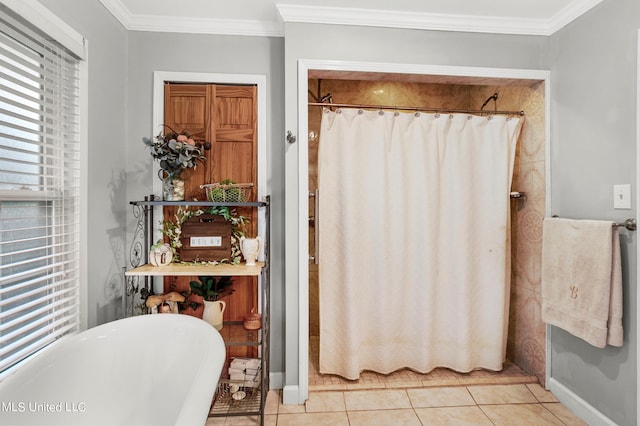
(442, 397)
(521, 404)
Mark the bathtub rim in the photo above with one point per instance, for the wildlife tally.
(193, 406)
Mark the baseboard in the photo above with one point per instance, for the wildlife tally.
(291, 395)
(276, 380)
(579, 406)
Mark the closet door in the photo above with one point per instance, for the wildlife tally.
(225, 116)
(188, 107)
(234, 155)
(234, 130)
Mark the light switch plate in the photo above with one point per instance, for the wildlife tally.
(622, 196)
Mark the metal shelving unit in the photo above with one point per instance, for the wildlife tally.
(253, 395)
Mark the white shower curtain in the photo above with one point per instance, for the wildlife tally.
(414, 245)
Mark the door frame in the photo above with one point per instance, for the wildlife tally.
(260, 81)
(160, 77)
(304, 66)
(637, 209)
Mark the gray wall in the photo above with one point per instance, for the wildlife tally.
(593, 147)
(149, 52)
(107, 216)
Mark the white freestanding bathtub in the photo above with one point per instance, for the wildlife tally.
(147, 370)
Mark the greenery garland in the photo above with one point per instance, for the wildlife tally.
(173, 231)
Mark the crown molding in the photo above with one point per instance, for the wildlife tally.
(178, 24)
(410, 20)
(118, 10)
(350, 16)
(434, 21)
(571, 12)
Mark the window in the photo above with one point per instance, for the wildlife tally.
(39, 190)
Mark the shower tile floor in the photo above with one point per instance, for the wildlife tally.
(442, 397)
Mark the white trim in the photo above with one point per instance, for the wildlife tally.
(411, 20)
(434, 21)
(568, 14)
(291, 393)
(84, 192)
(304, 65)
(436, 70)
(179, 24)
(579, 406)
(276, 380)
(303, 238)
(160, 77)
(119, 11)
(637, 210)
(348, 16)
(192, 25)
(548, 202)
(50, 24)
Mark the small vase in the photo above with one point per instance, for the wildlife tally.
(172, 186)
(250, 247)
(253, 320)
(161, 255)
(212, 313)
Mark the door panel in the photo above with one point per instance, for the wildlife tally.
(188, 107)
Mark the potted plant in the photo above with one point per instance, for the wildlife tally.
(212, 290)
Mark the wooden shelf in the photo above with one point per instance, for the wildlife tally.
(188, 269)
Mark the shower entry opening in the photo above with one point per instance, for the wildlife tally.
(390, 286)
(414, 263)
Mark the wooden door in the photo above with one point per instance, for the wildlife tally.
(226, 116)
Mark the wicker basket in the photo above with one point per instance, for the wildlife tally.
(228, 192)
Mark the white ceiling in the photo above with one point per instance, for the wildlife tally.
(266, 17)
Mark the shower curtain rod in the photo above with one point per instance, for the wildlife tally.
(417, 109)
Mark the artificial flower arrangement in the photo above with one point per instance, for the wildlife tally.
(176, 152)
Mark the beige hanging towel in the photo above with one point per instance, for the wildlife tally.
(582, 279)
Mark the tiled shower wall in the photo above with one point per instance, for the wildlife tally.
(526, 343)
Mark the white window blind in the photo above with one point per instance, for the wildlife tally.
(39, 190)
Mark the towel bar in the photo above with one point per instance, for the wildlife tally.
(630, 224)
